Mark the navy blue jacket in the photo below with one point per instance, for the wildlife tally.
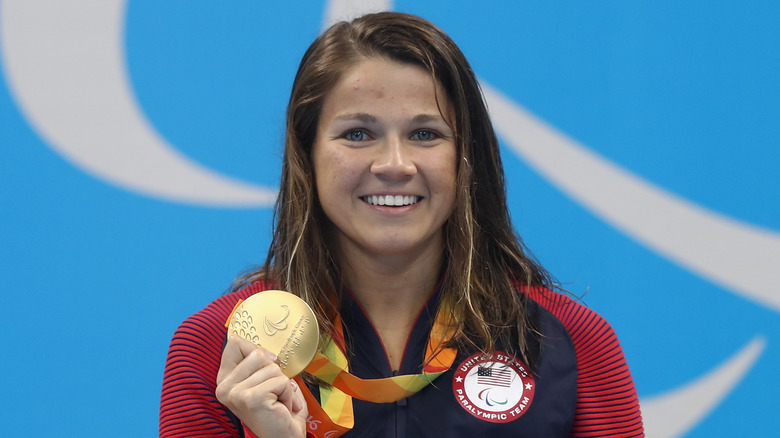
(582, 386)
(437, 410)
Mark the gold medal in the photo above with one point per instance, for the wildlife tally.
(281, 323)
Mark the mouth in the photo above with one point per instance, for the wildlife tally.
(391, 200)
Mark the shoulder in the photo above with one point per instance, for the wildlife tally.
(580, 321)
(593, 337)
(202, 335)
(188, 406)
(606, 396)
(210, 321)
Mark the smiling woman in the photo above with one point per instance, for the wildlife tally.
(392, 225)
(384, 161)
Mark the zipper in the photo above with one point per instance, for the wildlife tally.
(400, 416)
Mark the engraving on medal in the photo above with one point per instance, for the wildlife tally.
(271, 328)
(243, 325)
(287, 349)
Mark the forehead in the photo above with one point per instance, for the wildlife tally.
(380, 81)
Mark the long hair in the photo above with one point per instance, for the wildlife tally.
(484, 258)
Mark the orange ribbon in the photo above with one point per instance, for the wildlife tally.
(335, 416)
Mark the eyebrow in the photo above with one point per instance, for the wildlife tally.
(422, 118)
(368, 118)
(363, 117)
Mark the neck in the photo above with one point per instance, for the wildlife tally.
(392, 291)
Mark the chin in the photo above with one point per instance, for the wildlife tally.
(398, 247)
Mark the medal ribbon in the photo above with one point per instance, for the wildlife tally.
(331, 366)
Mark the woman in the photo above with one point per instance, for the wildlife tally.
(392, 220)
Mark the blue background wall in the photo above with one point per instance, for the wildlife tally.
(95, 275)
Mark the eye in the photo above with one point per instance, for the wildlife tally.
(424, 135)
(356, 135)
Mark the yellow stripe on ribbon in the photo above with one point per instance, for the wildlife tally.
(332, 367)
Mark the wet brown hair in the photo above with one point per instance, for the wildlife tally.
(485, 260)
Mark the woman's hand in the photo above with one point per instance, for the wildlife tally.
(253, 387)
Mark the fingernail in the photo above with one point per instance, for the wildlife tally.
(271, 356)
(294, 385)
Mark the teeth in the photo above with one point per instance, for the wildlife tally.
(390, 200)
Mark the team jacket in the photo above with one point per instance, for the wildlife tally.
(580, 386)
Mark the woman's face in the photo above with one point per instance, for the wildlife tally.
(384, 160)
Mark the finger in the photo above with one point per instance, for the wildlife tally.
(289, 396)
(255, 361)
(253, 371)
(233, 353)
(241, 346)
(256, 399)
(241, 358)
(282, 388)
(249, 376)
(298, 400)
(231, 357)
(244, 345)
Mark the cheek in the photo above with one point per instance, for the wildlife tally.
(334, 173)
(447, 184)
(342, 169)
(320, 166)
(446, 175)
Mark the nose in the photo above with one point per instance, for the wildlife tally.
(394, 159)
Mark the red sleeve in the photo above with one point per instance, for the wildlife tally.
(607, 404)
(188, 406)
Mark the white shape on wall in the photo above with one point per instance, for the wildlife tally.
(65, 65)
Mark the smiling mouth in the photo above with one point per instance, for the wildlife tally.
(392, 200)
